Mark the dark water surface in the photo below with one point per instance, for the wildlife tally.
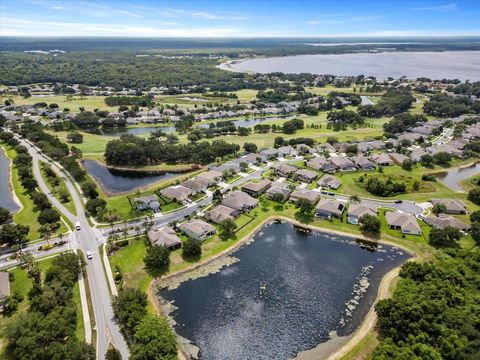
(118, 181)
(6, 196)
(287, 292)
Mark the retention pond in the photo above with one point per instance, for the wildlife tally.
(284, 293)
(7, 200)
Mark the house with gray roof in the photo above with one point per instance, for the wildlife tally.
(363, 163)
(322, 148)
(150, 202)
(398, 158)
(239, 200)
(343, 163)
(269, 154)
(406, 223)
(321, 163)
(328, 208)
(357, 210)
(228, 166)
(452, 206)
(442, 221)
(213, 177)
(330, 181)
(306, 175)
(307, 194)
(287, 150)
(165, 236)
(220, 213)
(382, 160)
(197, 185)
(177, 193)
(279, 188)
(284, 169)
(417, 154)
(256, 188)
(197, 229)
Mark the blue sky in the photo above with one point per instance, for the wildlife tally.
(245, 18)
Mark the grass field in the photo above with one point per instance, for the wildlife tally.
(73, 103)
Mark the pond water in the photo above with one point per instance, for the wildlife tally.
(452, 177)
(463, 65)
(285, 294)
(139, 131)
(114, 181)
(6, 196)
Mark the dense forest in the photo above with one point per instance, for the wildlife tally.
(435, 311)
(134, 151)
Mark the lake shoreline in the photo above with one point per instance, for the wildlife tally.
(341, 344)
(13, 193)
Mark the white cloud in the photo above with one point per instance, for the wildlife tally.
(342, 20)
(445, 7)
(22, 27)
(232, 16)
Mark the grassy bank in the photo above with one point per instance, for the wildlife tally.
(69, 205)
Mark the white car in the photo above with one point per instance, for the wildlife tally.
(89, 255)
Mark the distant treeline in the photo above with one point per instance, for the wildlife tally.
(145, 101)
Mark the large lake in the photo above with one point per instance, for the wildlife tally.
(6, 197)
(113, 181)
(463, 65)
(452, 177)
(285, 294)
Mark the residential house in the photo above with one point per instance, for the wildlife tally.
(197, 229)
(330, 181)
(412, 137)
(4, 287)
(382, 160)
(279, 188)
(304, 149)
(321, 163)
(269, 154)
(256, 189)
(323, 148)
(177, 193)
(287, 151)
(442, 221)
(165, 236)
(284, 169)
(417, 154)
(307, 194)
(150, 202)
(197, 185)
(239, 200)
(363, 163)
(445, 148)
(343, 163)
(220, 213)
(452, 206)
(213, 177)
(228, 166)
(398, 158)
(356, 211)
(406, 223)
(328, 208)
(306, 175)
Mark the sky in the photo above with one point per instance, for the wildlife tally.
(233, 18)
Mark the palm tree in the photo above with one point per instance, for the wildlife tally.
(354, 199)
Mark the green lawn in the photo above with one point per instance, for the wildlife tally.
(69, 205)
(27, 215)
(74, 103)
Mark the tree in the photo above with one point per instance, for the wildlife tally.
(227, 229)
(113, 354)
(76, 152)
(154, 340)
(446, 237)
(89, 189)
(130, 307)
(96, 206)
(442, 158)
(475, 216)
(304, 206)
(475, 232)
(439, 208)
(243, 166)
(41, 201)
(13, 234)
(4, 215)
(48, 216)
(278, 197)
(250, 147)
(192, 248)
(426, 160)
(474, 196)
(407, 165)
(157, 260)
(75, 137)
(369, 224)
(64, 195)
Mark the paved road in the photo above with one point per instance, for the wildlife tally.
(86, 240)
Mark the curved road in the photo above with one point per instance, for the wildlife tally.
(86, 240)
